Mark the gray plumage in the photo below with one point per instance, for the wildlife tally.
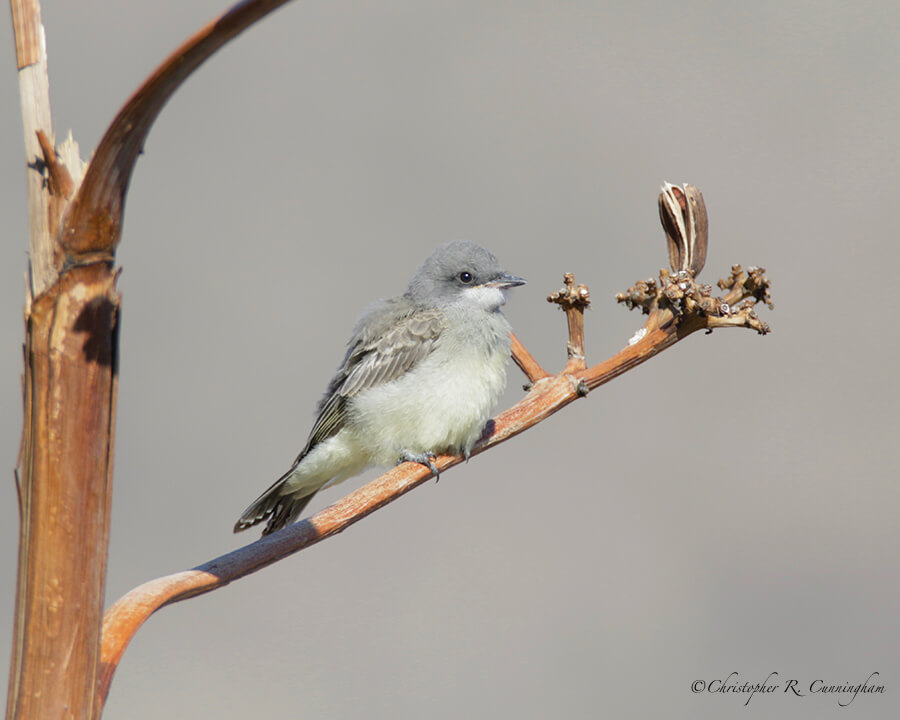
(421, 374)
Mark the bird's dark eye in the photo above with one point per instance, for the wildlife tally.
(465, 277)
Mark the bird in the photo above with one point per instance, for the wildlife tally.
(420, 377)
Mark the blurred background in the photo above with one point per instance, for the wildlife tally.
(729, 506)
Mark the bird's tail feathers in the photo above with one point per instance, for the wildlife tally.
(278, 505)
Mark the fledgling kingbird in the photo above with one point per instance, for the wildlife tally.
(421, 375)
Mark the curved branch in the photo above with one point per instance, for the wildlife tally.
(93, 222)
(548, 395)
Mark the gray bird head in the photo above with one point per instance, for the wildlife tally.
(461, 272)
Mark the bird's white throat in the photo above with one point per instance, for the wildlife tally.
(485, 297)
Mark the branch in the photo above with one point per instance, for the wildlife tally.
(573, 300)
(526, 362)
(669, 322)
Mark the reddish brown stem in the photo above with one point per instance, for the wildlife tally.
(526, 361)
(60, 181)
(575, 346)
(573, 300)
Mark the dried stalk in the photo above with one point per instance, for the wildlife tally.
(69, 392)
(71, 315)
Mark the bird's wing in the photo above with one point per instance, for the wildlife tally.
(377, 355)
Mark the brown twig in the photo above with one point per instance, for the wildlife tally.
(60, 186)
(573, 300)
(59, 179)
(526, 361)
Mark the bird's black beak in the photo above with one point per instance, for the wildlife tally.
(505, 280)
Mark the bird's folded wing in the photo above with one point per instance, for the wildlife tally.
(373, 361)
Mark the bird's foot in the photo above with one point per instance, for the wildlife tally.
(426, 459)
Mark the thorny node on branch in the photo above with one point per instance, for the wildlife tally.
(573, 300)
(749, 283)
(570, 296)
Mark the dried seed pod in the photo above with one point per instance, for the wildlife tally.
(684, 220)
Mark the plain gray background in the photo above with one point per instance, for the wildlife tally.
(730, 506)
